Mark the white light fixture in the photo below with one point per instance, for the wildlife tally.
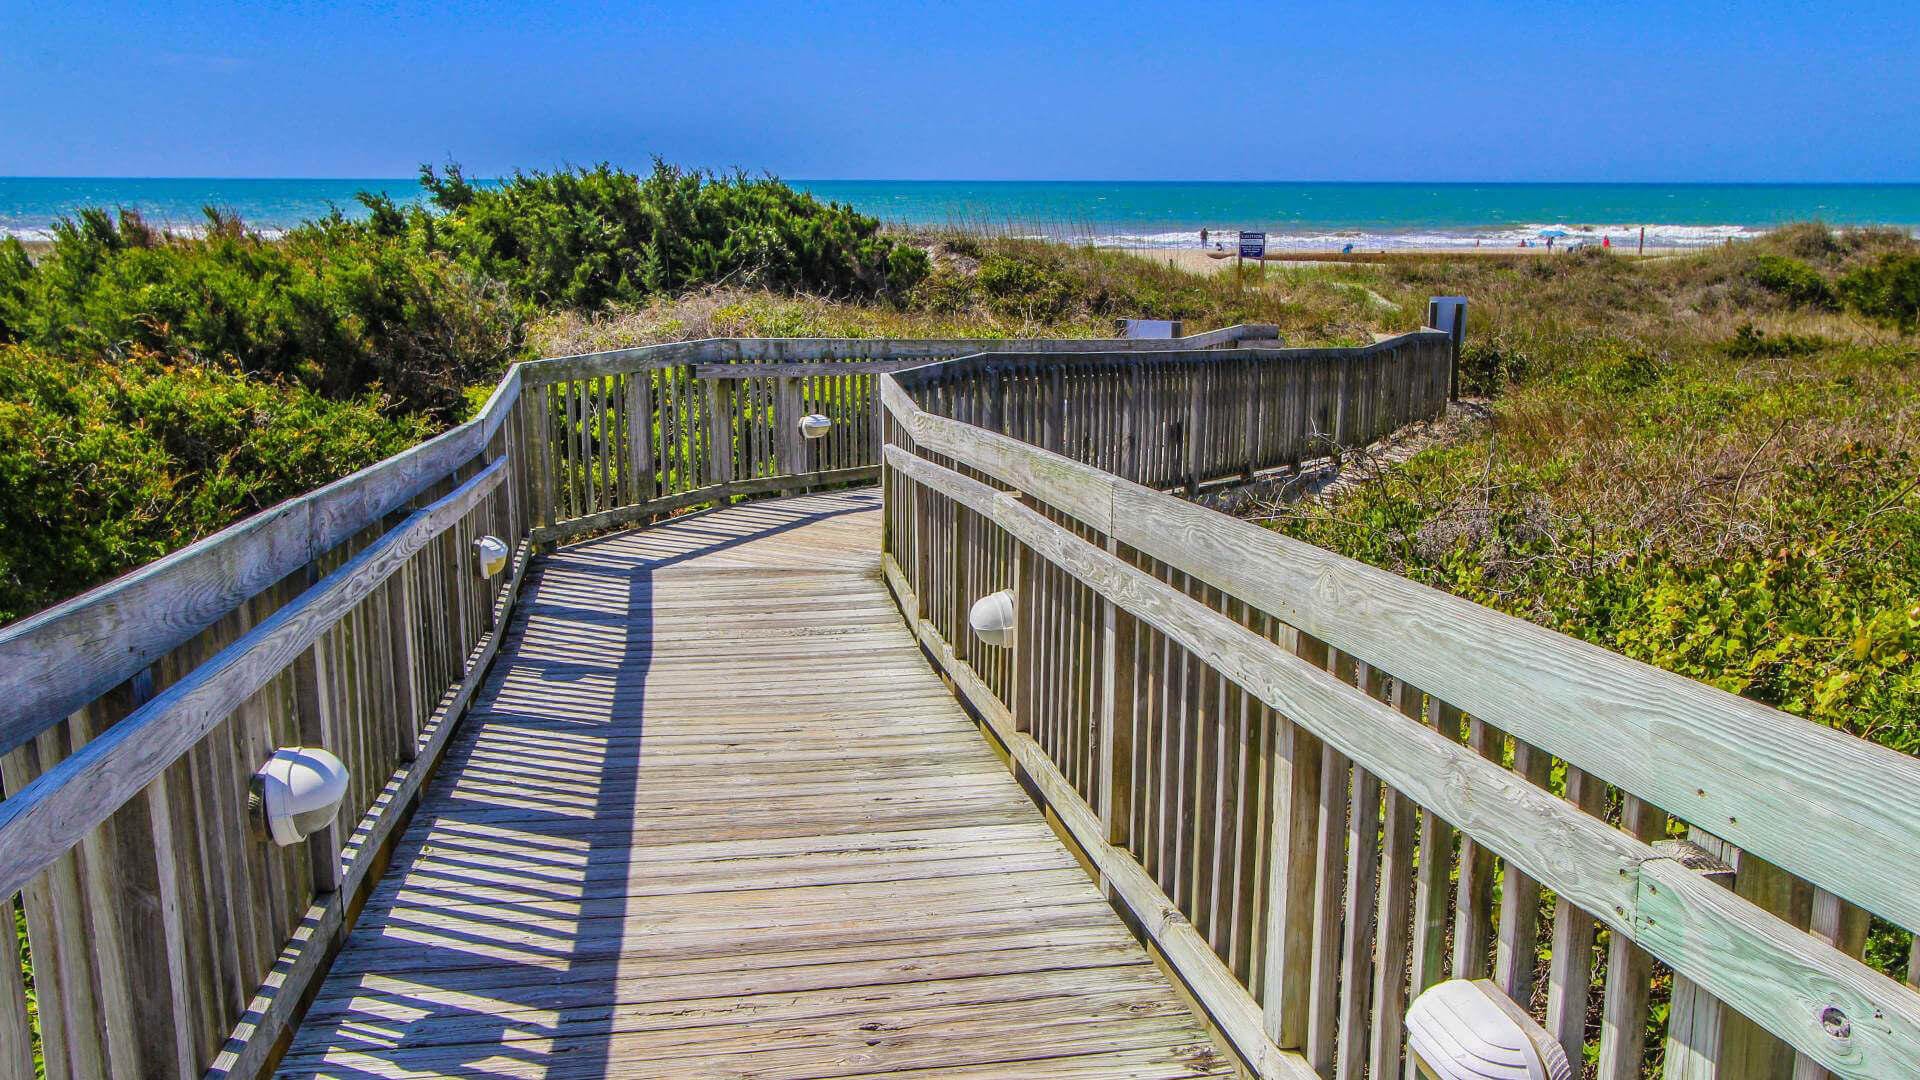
(1461, 1030)
(992, 618)
(489, 556)
(297, 792)
(815, 426)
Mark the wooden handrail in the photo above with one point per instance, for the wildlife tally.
(1723, 759)
(1602, 870)
(109, 634)
(1744, 771)
(130, 716)
(41, 822)
(105, 636)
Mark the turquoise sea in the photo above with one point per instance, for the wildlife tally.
(1136, 213)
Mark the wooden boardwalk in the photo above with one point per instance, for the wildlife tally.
(712, 815)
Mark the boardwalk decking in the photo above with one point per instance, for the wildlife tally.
(713, 816)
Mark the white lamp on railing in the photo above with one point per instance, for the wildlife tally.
(297, 792)
(992, 618)
(815, 426)
(1469, 1030)
(490, 556)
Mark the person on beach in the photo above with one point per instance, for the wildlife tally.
(1203, 238)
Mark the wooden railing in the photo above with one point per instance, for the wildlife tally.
(724, 418)
(165, 936)
(1320, 788)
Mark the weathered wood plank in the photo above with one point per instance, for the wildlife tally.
(1726, 759)
(48, 817)
(771, 351)
(107, 635)
(1605, 872)
(640, 871)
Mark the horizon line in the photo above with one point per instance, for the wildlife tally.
(1067, 180)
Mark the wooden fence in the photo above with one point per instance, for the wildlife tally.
(1320, 788)
(165, 936)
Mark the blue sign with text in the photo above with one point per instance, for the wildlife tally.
(1253, 245)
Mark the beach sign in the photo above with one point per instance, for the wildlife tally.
(1253, 245)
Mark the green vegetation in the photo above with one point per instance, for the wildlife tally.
(330, 307)
(1791, 279)
(1888, 290)
(581, 239)
(1709, 462)
(156, 387)
(986, 286)
(108, 464)
(1689, 462)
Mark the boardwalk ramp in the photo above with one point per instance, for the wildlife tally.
(713, 814)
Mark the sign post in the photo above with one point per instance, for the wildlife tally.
(1253, 245)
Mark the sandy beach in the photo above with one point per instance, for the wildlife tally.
(1199, 261)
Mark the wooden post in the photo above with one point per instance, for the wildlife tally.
(16, 1038)
(786, 419)
(1623, 1013)
(1116, 719)
(1696, 1019)
(313, 702)
(1294, 765)
(1024, 623)
(1746, 1048)
(1192, 433)
(1570, 976)
(720, 434)
(403, 672)
(538, 430)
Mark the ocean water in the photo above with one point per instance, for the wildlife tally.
(1136, 214)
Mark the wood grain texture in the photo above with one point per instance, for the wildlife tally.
(45, 819)
(1212, 983)
(1600, 869)
(808, 350)
(1723, 759)
(105, 636)
(712, 815)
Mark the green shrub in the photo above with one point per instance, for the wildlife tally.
(1750, 342)
(1489, 364)
(1791, 279)
(584, 238)
(944, 291)
(1022, 288)
(1887, 290)
(109, 464)
(341, 309)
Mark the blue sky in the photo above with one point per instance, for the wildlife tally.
(1033, 90)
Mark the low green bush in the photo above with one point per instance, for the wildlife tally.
(1751, 343)
(1790, 279)
(1887, 290)
(1023, 288)
(584, 238)
(342, 310)
(108, 464)
(1489, 364)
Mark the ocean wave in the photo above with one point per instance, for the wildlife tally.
(44, 233)
(1376, 239)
